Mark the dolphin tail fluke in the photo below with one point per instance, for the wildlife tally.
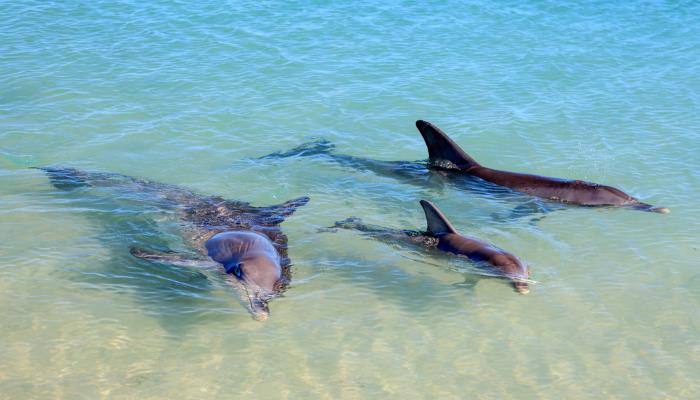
(288, 207)
(65, 178)
(437, 222)
(443, 152)
(318, 146)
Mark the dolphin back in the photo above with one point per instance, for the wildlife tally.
(443, 152)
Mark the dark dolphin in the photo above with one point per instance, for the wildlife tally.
(244, 239)
(448, 162)
(442, 236)
(446, 154)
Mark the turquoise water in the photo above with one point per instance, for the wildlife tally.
(190, 93)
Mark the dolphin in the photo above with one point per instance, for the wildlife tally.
(444, 153)
(243, 239)
(447, 161)
(440, 235)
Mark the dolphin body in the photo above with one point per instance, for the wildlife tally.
(442, 236)
(449, 161)
(246, 240)
(446, 154)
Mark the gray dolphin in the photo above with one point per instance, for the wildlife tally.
(244, 239)
(446, 154)
(447, 161)
(441, 235)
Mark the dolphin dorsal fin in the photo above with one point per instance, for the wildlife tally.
(437, 222)
(443, 151)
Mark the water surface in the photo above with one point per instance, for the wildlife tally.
(190, 93)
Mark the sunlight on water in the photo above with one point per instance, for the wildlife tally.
(192, 93)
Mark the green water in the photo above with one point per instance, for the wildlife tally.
(191, 94)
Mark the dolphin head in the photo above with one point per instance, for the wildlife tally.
(252, 259)
(602, 194)
(608, 195)
(515, 270)
(248, 255)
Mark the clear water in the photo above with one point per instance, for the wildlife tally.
(191, 92)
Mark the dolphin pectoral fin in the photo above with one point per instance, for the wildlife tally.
(443, 152)
(469, 283)
(172, 258)
(315, 147)
(534, 208)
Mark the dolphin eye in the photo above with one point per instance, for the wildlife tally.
(237, 270)
(234, 269)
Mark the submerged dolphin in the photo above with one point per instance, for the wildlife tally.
(450, 161)
(441, 235)
(245, 240)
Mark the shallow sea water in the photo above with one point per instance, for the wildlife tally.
(190, 93)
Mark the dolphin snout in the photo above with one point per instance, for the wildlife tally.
(261, 316)
(259, 309)
(521, 287)
(650, 208)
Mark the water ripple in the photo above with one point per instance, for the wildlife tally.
(191, 93)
